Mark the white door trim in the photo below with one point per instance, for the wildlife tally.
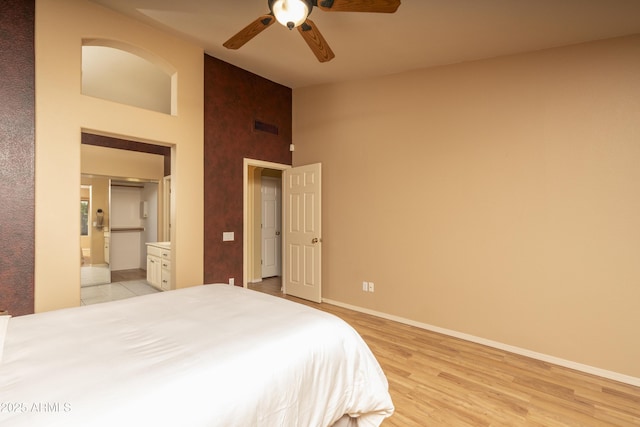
(166, 208)
(245, 207)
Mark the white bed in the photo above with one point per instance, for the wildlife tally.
(213, 355)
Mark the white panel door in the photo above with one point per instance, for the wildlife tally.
(303, 232)
(271, 224)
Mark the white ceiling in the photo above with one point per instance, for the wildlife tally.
(422, 33)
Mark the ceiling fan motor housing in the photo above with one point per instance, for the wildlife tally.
(289, 23)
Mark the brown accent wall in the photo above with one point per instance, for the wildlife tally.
(234, 99)
(17, 145)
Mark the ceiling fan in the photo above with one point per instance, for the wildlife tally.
(294, 14)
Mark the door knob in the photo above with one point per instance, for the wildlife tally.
(277, 233)
(315, 240)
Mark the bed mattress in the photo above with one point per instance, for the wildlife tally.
(211, 355)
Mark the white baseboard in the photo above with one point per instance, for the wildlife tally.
(627, 379)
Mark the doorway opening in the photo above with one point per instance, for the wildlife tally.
(270, 207)
(118, 216)
(256, 246)
(134, 210)
(94, 196)
(130, 207)
(301, 225)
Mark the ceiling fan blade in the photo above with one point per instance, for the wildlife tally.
(377, 6)
(249, 32)
(316, 42)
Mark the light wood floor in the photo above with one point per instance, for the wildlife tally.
(436, 380)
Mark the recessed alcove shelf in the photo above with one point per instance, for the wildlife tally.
(121, 73)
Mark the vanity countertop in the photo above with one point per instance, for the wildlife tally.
(162, 245)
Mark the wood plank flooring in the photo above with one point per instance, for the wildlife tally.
(436, 380)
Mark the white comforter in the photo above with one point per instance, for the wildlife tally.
(213, 355)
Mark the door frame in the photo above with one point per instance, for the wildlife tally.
(245, 208)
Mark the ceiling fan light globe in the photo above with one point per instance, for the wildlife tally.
(290, 13)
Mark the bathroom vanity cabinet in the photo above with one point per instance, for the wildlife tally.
(159, 265)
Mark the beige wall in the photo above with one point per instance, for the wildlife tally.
(115, 163)
(62, 112)
(497, 198)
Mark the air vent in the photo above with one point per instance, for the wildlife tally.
(265, 127)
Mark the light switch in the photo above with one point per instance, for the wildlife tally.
(228, 236)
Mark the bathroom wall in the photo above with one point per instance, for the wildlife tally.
(99, 200)
(128, 249)
(85, 240)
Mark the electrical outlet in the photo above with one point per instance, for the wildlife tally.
(365, 286)
(371, 288)
(232, 281)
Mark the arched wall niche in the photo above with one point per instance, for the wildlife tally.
(126, 74)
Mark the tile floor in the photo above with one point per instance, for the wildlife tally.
(115, 291)
(91, 275)
(95, 294)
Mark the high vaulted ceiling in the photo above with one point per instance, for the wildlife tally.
(422, 33)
